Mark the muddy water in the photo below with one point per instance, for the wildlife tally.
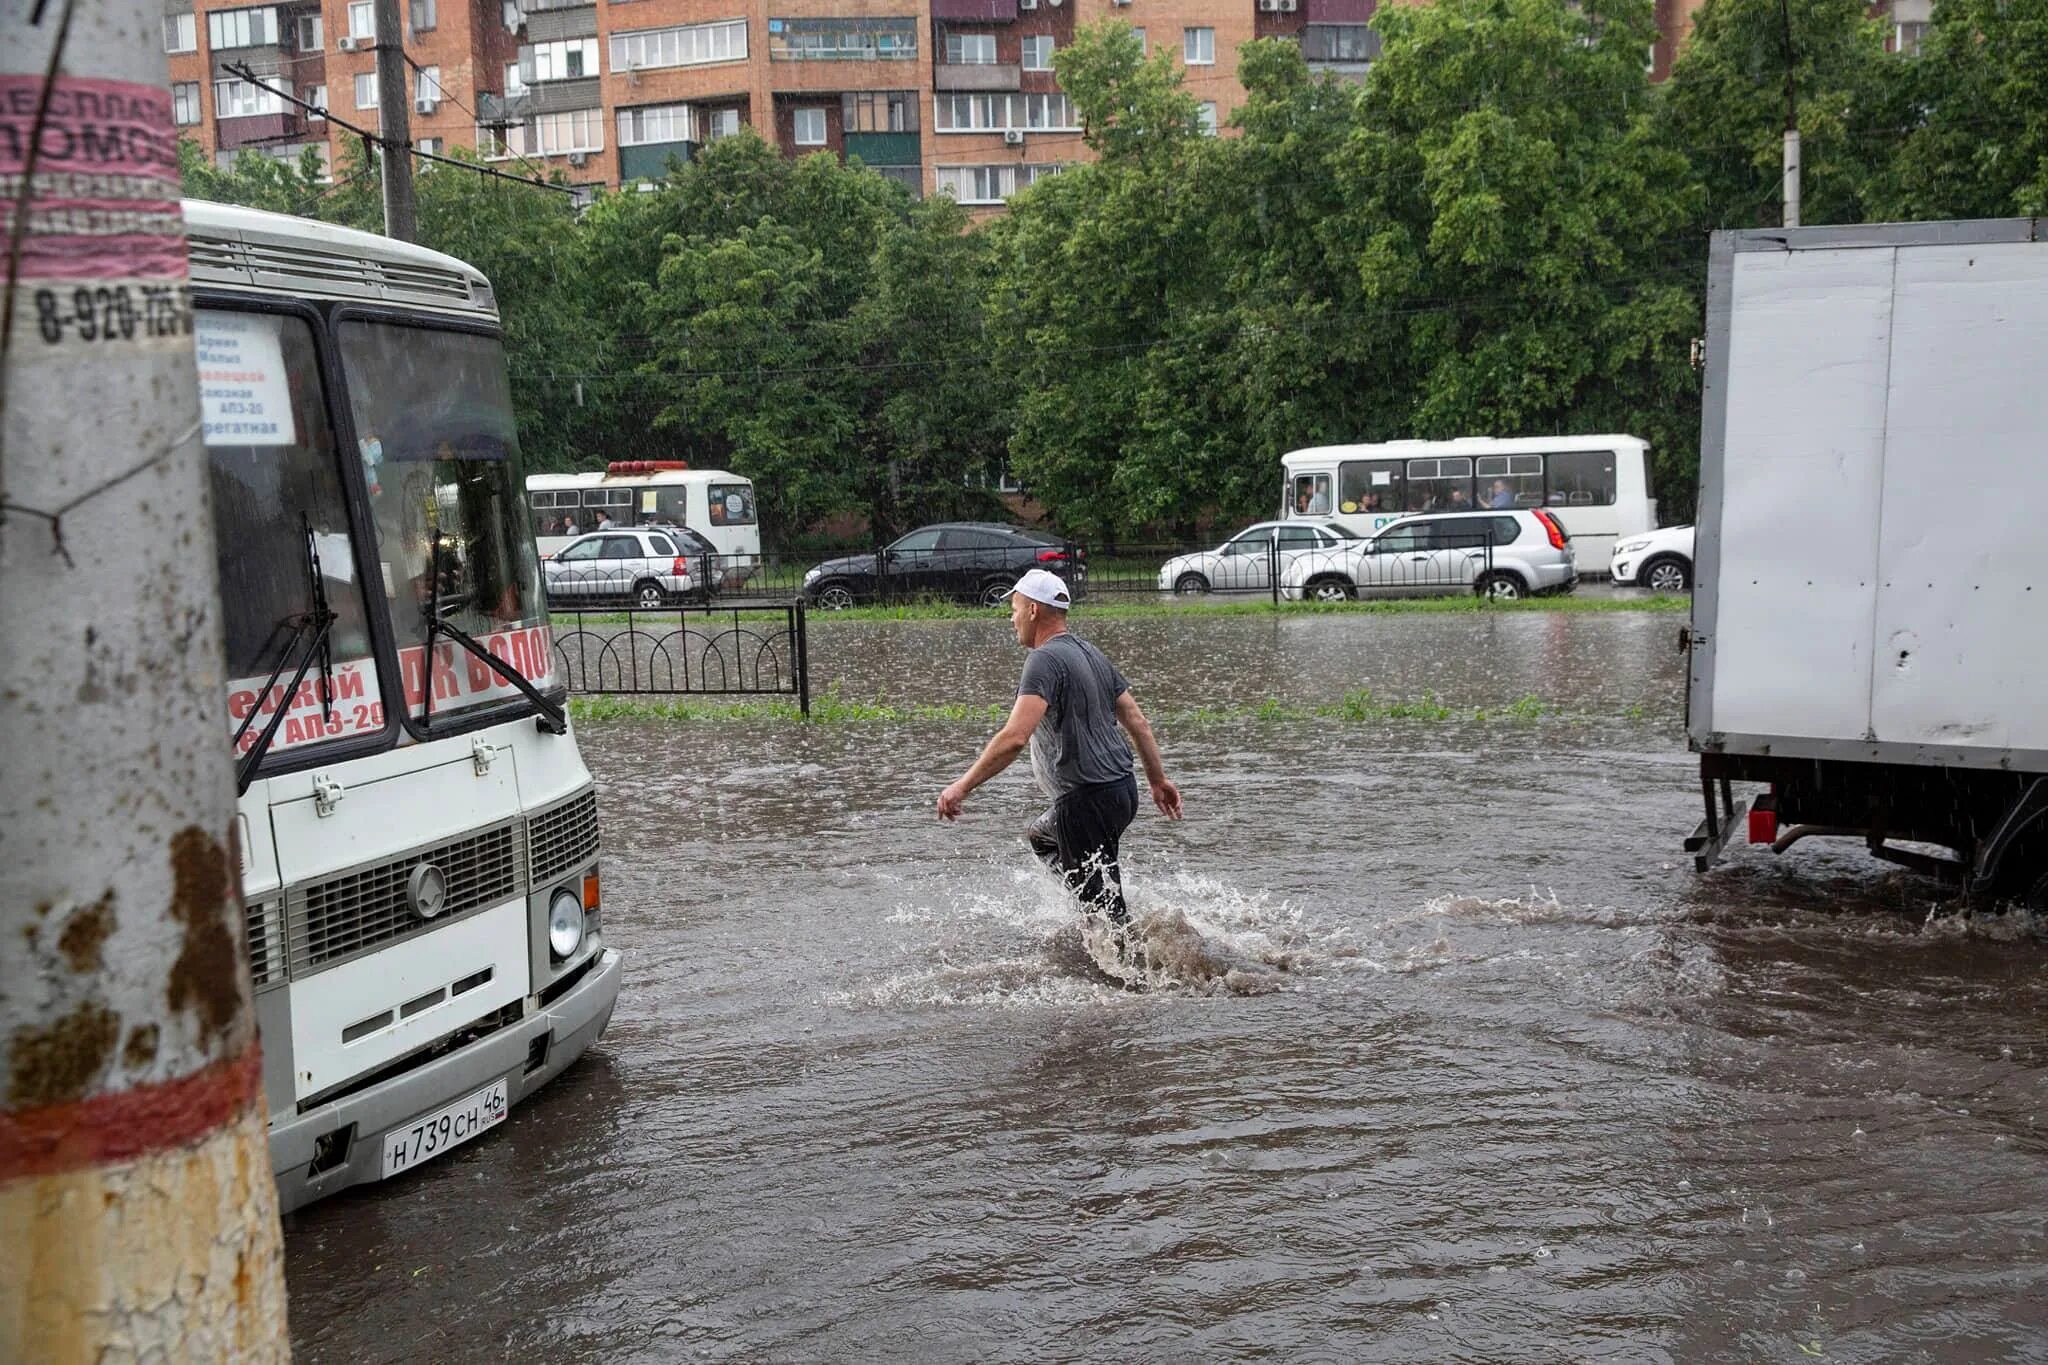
(1511, 1082)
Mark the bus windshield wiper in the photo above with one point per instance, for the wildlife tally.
(318, 623)
(552, 718)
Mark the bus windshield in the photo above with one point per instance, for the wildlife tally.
(434, 424)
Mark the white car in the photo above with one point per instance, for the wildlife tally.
(1244, 563)
(1660, 561)
(644, 567)
(1502, 555)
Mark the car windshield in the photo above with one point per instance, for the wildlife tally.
(434, 424)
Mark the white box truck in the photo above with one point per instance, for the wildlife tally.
(1869, 633)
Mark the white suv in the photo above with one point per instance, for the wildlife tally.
(1504, 555)
(646, 568)
(1660, 561)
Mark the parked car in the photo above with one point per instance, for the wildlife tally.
(1505, 554)
(640, 565)
(1245, 561)
(1660, 561)
(964, 561)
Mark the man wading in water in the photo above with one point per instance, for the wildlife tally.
(1070, 702)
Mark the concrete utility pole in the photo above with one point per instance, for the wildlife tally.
(135, 1190)
(394, 122)
(1791, 162)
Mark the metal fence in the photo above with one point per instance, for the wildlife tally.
(718, 651)
(1434, 562)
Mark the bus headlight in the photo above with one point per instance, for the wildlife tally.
(565, 923)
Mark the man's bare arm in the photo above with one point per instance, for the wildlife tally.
(998, 755)
(1165, 795)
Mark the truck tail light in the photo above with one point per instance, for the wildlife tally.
(1551, 525)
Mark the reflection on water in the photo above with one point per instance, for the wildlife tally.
(1522, 1085)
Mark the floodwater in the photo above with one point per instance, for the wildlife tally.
(1476, 1069)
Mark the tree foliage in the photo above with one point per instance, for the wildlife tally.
(1501, 231)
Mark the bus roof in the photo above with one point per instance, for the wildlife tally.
(253, 249)
(660, 476)
(1463, 445)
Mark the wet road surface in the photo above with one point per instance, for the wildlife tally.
(1498, 1076)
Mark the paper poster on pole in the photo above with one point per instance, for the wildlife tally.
(244, 399)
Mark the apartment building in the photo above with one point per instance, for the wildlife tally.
(950, 97)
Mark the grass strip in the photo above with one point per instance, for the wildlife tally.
(1358, 706)
(1096, 609)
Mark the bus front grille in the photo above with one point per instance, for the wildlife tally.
(564, 837)
(343, 915)
(265, 921)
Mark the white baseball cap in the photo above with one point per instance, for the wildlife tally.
(1042, 585)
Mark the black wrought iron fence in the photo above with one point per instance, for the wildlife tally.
(719, 651)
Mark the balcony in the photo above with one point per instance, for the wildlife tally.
(556, 97)
(975, 11)
(884, 149)
(496, 110)
(555, 24)
(650, 160)
(1339, 11)
(258, 129)
(976, 77)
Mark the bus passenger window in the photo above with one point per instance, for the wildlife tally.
(731, 504)
(1369, 486)
(1581, 478)
(1311, 496)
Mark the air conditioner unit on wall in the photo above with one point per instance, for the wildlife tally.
(345, 44)
(1013, 137)
(425, 106)
(578, 158)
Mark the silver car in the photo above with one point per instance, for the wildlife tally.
(644, 567)
(1504, 555)
(1245, 561)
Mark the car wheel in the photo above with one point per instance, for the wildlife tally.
(994, 593)
(1500, 587)
(834, 597)
(1190, 584)
(1666, 575)
(649, 595)
(1329, 590)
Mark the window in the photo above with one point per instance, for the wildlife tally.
(1339, 43)
(574, 130)
(879, 111)
(810, 127)
(426, 84)
(185, 104)
(1507, 481)
(1198, 46)
(1372, 486)
(721, 123)
(1581, 478)
(1143, 46)
(825, 40)
(1205, 116)
(448, 511)
(970, 49)
(362, 21)
(315, 95)
(989, 184)
(515, 84)
(1298, 538)
(1311, 496)
(495, 143)
(690, 45)
(1440, 485)
(982, 113)
(310, 37)
(661, 544)
(181, 33)
(656, 124)
(264, 476)
(1401, 540)
(1038, 53)
(366, 90)
(232, 28)
(420, 16)
(730, 504)
(244, 99)
(1907, 37)
(432, 146)
(566, 60)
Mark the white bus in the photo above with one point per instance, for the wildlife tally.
(418, 832)
(712, 502)
(1597, 486)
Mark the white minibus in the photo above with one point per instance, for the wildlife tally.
(712, 502)
(418, 831)
(1597, 486)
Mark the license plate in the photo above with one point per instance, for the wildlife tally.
(444, 1128)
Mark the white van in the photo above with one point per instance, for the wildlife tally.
(714, 503)
(1597, 486)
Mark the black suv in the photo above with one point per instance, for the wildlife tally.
(965, 561)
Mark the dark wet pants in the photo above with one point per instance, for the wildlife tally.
(1079, 837)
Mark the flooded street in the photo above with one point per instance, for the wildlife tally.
(1498, 1078)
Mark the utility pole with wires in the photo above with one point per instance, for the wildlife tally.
(394, 122)
(136, 1193)
(1791, 155)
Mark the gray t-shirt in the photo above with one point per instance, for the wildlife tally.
(1078, 743)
